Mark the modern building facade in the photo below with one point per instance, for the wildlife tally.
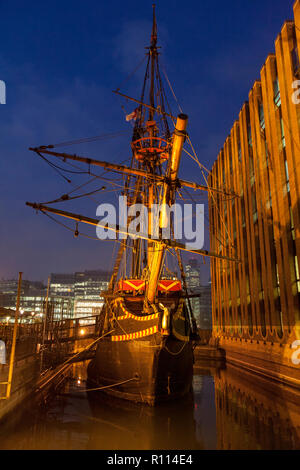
(255, 303)
(62, 284)
(32, 305)
(205, 314)
(84, 287)
(71, 295)
(192, 273)
(10, 286)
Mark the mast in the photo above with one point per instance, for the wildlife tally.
(153, 53)
(168, 197)
(151, 200)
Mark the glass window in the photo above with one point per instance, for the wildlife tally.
(295, 61)
(277, 99)
(261, 116)
(287, 175)
(267, 154)
(297, 273)
(277, 275)
(249, 135)
(292, 223)
(282, 132)
(254, 207)
(269, 201)
(230, 164)
(240, 151)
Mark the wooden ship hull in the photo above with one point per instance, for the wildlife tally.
(140, 360)
(159, 375)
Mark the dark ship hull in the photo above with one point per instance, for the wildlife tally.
(139, 362)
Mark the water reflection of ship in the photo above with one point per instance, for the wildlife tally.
(114, 423)
(255, 413)
(118, 424)
(249, 413)
(105, 423)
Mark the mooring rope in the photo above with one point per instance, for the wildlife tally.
(68, 362)
(108, 386)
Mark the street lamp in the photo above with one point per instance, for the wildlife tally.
(21, 313)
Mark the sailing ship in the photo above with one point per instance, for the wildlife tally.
(147, 328)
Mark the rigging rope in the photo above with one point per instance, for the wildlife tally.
(109, 386)
(210, 191)
(53, 165)
(170, 86)
(207, 220)
(195, 157)
(88, 139)
(132, 73)
(65, 197)
(79, 233)
(73, 357)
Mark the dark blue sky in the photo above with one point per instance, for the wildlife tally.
(61, 59)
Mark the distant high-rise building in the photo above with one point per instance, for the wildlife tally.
(10, 286)
(72, 294)
(192, 272)
(205, 320)
(84, 287)
(201, 303)
(32, 300)
(62, 284)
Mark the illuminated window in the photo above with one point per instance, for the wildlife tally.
(277, 280)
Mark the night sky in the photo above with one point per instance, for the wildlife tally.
(61, 60)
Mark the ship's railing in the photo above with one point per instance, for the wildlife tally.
(58, 334)
(151, 146)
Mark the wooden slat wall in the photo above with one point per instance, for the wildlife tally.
(259, 298)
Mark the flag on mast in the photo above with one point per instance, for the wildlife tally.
(132, 116)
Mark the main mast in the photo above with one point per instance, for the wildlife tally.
(157, 150)
(153, 58)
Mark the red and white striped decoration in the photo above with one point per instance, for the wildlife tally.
(136, 335)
